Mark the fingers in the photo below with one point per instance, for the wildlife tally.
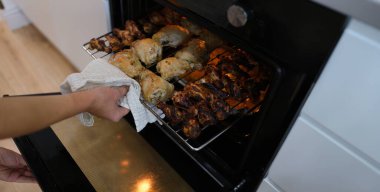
(20, 175)
(123, 90)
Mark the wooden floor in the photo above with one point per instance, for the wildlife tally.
(28, 64)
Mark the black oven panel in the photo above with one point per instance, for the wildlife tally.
(292, 31)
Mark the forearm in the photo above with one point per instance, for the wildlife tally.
(23, 115)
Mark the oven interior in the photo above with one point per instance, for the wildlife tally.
(234, 153)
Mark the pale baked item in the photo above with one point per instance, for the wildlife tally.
(128, 62)
(172, 67)
(155, 88)
(194, 53)
(171, 35)
(148, 51)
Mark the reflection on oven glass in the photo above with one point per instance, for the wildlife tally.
(145, 184)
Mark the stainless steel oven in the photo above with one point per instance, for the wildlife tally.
(292, 40)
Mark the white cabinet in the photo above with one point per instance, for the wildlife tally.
(68, 24)
(334, 144)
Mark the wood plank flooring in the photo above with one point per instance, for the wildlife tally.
(29, 63)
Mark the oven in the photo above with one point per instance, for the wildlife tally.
(291, 40)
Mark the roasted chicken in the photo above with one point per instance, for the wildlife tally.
(128, 62)
(114, 43)
(100, 45)
(171, 35)
(147, 50)
(154, 88)
(191, 128)
(194, 53)
(172, 67)
(129, 34)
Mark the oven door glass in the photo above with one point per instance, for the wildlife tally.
(114, 157)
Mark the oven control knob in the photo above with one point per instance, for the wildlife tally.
(237, 15)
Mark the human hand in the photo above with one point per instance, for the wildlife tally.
(13, 167)
(105, 102)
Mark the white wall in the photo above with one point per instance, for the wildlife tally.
(335, 143)
(69, 24)
(13, 15)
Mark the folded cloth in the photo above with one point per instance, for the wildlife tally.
(100, 73)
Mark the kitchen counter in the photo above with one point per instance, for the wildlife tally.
(114, 157)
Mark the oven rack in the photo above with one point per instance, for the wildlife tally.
(208, 133)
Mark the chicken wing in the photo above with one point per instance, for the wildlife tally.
(100, 45)
(128, 62)
(148, 51)
(171, 35)
(172, 67)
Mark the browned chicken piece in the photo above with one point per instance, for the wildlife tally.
(131, 26)
(114, 43)
(128, 62)
(191, 128)
(100, 45)
(217, 54)
(96, 44)
(147, 50)
(212, 41)
(154, 88)
(205, 115)
(125, 36)
(216, 103)
(129, 34)
(194, 53)
(157, 19)
(148, 27)
(181, 98)
(213, 77)
(172, 67)
(193, 28)
(173, 113)
(171, 16)
(171, 35)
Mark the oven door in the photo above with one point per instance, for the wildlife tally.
(109, 156)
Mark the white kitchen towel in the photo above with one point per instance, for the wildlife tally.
(100, 73)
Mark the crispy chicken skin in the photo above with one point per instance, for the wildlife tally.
(148, 51)
(154, 88)
(194, 53)
(172, 67)
(191, 128)
(128, 62)
(171, 35)
(100, 45)
(129, 34)
(114, 42)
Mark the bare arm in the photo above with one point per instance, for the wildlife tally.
(23, 115)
